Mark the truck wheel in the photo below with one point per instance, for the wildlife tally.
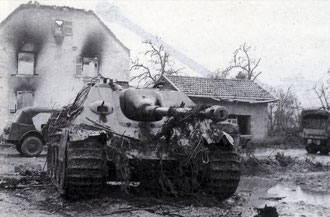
(31, 146)
(311, 148)
(18, 147)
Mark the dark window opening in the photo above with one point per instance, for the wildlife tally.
(87, 67)
(243, 122)
(62, 28)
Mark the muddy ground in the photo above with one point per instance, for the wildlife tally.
(295, 183)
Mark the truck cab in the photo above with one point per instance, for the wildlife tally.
(315, 130)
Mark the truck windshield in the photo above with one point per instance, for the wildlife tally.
(314, 121)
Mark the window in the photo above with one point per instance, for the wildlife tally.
(232, 119)
(25, 63)
(243, 122)
(62, 28)
(86, 67)
(24, 99)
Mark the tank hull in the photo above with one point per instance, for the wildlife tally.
(94, 140)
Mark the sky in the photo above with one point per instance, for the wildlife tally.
(291, 37)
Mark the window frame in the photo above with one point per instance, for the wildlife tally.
(80, 65)
(66, 28)
(34, 64)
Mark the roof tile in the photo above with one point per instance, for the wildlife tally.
(230, 89)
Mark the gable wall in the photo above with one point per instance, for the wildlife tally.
(55, 83)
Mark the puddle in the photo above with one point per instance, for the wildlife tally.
(296, 194)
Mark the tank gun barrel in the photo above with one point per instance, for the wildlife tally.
(148, 105)
(216, 113)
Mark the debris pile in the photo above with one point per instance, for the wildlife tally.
(28, 175)
(284, 160)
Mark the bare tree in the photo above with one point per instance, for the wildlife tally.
(219, 74)
(157, 63)
(322, 93)
(244, 63)
(284, 114)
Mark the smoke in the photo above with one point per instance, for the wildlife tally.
(24, 34)
(94, 46)
(25, 83)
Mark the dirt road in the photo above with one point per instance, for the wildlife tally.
(295, 183)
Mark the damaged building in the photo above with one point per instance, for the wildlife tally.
(47, 53)
(246, 101)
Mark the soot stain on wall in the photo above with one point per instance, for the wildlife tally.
(94, 46)
(20, 35)
(24, 36)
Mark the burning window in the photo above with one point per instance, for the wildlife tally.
(86, 67)
(62, 28)
(25, 63)
(24, 99)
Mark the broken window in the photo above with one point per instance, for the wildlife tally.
(62, 28)
(25, 63)
(24, 99)
(86, 67)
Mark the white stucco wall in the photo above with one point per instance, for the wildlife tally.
(257, 111)
(55, 83)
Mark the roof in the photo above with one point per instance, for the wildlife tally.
(315, 112)
(221, 89)
(61, 8)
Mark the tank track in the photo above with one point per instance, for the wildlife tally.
(224, 172)
(219, 177)
(85, 169)
(82, 173)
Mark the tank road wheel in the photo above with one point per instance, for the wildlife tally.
(311, 148)
(31, 146)
(86, 169)
(223, 174)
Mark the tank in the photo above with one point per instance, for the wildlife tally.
(315, 130)
(158, 138)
